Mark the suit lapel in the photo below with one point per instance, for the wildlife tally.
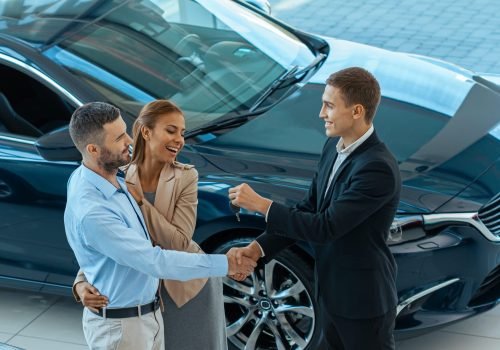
(325, 174)
(369, 142)
(328, 195)
(165, 191)
(132, 179)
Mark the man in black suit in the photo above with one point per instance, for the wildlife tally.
(345, 217)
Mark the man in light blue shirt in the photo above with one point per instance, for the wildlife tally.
(106, 230)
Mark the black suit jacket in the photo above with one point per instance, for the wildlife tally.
(347, 229)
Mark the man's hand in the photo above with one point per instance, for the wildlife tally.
(90, 296)
(251, 251)
(244, 268)
(244, 196)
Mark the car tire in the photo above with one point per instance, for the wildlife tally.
(276, 301)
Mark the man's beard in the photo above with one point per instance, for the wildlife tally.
(110, 162)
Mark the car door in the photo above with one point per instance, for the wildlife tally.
(34, 252)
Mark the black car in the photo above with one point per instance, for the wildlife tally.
(251, 90)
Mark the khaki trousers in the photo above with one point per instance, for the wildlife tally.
(133, 333)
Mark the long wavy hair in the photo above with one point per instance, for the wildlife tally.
(148, 116)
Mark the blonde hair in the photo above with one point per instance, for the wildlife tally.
(148, 116)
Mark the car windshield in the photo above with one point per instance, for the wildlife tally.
(213, 58)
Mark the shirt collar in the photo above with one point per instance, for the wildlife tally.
(103, 185)
(349, 149)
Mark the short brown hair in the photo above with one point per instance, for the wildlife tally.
(87, 123)
(148, 116)
(357, 86)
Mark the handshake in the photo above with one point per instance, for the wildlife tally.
(242, 261)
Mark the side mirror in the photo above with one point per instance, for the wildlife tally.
(58, 146)
(262, 5)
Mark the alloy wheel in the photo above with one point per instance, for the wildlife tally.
(271, 309)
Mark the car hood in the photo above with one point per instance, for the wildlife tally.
(491, 77)
(424, 111)
(401, 76)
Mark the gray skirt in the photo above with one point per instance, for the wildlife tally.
(198, 324)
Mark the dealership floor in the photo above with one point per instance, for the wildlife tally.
(35, 321)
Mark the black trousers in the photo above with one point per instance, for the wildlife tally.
(339, 333)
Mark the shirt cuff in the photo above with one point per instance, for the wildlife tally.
(75, 294)
(262, 254)
(220, 266)
(267, 213)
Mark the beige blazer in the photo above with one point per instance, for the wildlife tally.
(170, 220)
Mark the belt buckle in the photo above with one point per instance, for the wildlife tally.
(104, 312)
(139, 310)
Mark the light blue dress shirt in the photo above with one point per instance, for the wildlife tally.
(106, 230)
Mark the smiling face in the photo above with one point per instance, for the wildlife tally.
(339, 118)
(114, 150)
(166, 139)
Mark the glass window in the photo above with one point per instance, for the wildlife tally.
(28, 107)
(212, 60)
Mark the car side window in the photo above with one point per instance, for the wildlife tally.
(27, 107)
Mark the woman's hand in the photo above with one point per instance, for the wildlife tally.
(136, 195)
(90, 296)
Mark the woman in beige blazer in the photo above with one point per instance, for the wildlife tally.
(167, 193)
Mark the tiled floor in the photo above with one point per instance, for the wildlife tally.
(40, 322)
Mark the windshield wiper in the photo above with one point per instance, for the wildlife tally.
(290, 77)
(225, 124)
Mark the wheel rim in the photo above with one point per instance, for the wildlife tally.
(271, 309)
(5, 189)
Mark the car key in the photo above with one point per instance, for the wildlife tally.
(236, 210)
